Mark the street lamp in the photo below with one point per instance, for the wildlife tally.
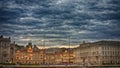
(69, 50)
(44, 53)
(43, 43)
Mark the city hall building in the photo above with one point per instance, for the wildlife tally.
(33, 55)
(30, 55)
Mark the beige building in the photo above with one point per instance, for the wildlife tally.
(50, 58)
(98, 53)
(68, 57)
(58, 58)
(77, 56)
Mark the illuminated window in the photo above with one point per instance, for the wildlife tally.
(30, 58)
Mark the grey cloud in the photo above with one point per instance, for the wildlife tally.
(58, 19)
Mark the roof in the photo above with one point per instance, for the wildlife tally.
(103, 42)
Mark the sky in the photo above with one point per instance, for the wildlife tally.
(59, 22)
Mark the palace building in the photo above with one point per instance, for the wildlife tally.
(98, 53)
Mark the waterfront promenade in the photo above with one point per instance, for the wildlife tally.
(55, 66)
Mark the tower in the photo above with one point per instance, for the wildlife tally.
(4, 49)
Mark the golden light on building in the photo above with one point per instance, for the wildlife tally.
(30, 49)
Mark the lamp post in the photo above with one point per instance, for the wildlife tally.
(69, 50)
(43, 41)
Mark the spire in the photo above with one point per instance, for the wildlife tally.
(13, 42)
(29, 44)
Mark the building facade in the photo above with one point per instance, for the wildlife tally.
(34, 55)
(77, 56)
(12, 52)
(95, 53)
(30, 55)
(98, 53)
(4, 49)
(58, 57)
(68, 57)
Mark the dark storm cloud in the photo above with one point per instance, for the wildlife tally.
(91, 20)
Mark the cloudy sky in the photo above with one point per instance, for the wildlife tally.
(57, 20)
